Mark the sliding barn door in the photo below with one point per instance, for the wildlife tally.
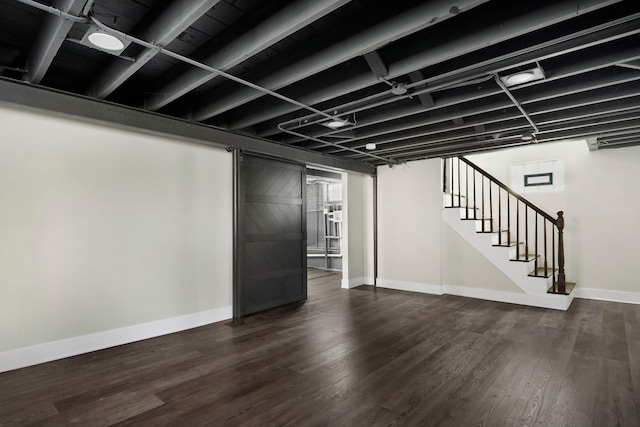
(272, 229)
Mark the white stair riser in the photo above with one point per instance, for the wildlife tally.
(517, 272)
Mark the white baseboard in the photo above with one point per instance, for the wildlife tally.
(607, 295)
(556, 302)
(41, 353)
(358, 281)
(410, 286)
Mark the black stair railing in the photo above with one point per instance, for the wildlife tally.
(538, 235)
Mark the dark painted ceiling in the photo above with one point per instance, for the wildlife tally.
(420, 79)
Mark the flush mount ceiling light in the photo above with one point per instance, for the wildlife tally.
(523, 76)
(370, 146)
(105, 41)
(337, 122)
(96, 38)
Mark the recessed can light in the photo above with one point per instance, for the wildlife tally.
(105, 41)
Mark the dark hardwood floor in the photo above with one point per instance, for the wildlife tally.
(359, 357)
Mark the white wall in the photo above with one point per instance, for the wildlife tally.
(417, 251)
(357, 223)
(600, 204)
(103, 228)
(409, 226)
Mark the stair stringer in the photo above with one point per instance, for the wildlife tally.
(517, 272)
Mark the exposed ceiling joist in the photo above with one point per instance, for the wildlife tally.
(176, 18)
(461, 45)
(52, 34)
(271, 31)
(371, 39)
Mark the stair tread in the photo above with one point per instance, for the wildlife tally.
(568, 287)
(507, 244)
(543, 272)
(476, 219)
(525, 258)
(504, 230)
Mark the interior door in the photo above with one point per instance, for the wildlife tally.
(272, 231)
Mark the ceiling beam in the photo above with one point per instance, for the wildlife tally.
(175, 18)
(274, 29)
(598, 59)
(36, 98)
(395, 28)
(52, 34)
(557, 12)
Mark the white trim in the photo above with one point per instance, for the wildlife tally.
(607, 295)
(355, 282)
(556, 302)
(41, 353)
(424, 288)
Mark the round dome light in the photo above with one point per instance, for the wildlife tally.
(105, 41)
(335, 124)
(519, 78)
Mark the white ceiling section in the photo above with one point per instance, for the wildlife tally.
(275, 70)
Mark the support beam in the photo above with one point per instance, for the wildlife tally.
(62, 104)
(175, 18)
(276, 28)
(395, 28)
(425, 97)
(377, 65)
(52, 34)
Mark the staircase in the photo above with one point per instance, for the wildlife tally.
(520, 239)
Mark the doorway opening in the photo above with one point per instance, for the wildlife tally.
(324, 220)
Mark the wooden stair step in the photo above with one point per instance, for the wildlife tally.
(492, 231)
(525, 258)
(543, 272)
(568, 287)
(507, 244)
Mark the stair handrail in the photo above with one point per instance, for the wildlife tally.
(509, 190)
(557, 223)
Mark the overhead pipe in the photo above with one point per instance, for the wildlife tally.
(56, 12)
(509, 29)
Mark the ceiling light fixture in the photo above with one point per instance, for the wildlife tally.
(335, 123)
(519, 78)
(370, 146)
(97, 38)
(524, 76)
(105, 41)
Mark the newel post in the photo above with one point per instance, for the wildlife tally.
(561, 277)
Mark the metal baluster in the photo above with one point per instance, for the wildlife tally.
(466, 191)
(500, 217)
(517, 229)
(536, 254)
(490, 208)
(482, 210)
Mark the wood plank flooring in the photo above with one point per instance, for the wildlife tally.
(359, 357)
